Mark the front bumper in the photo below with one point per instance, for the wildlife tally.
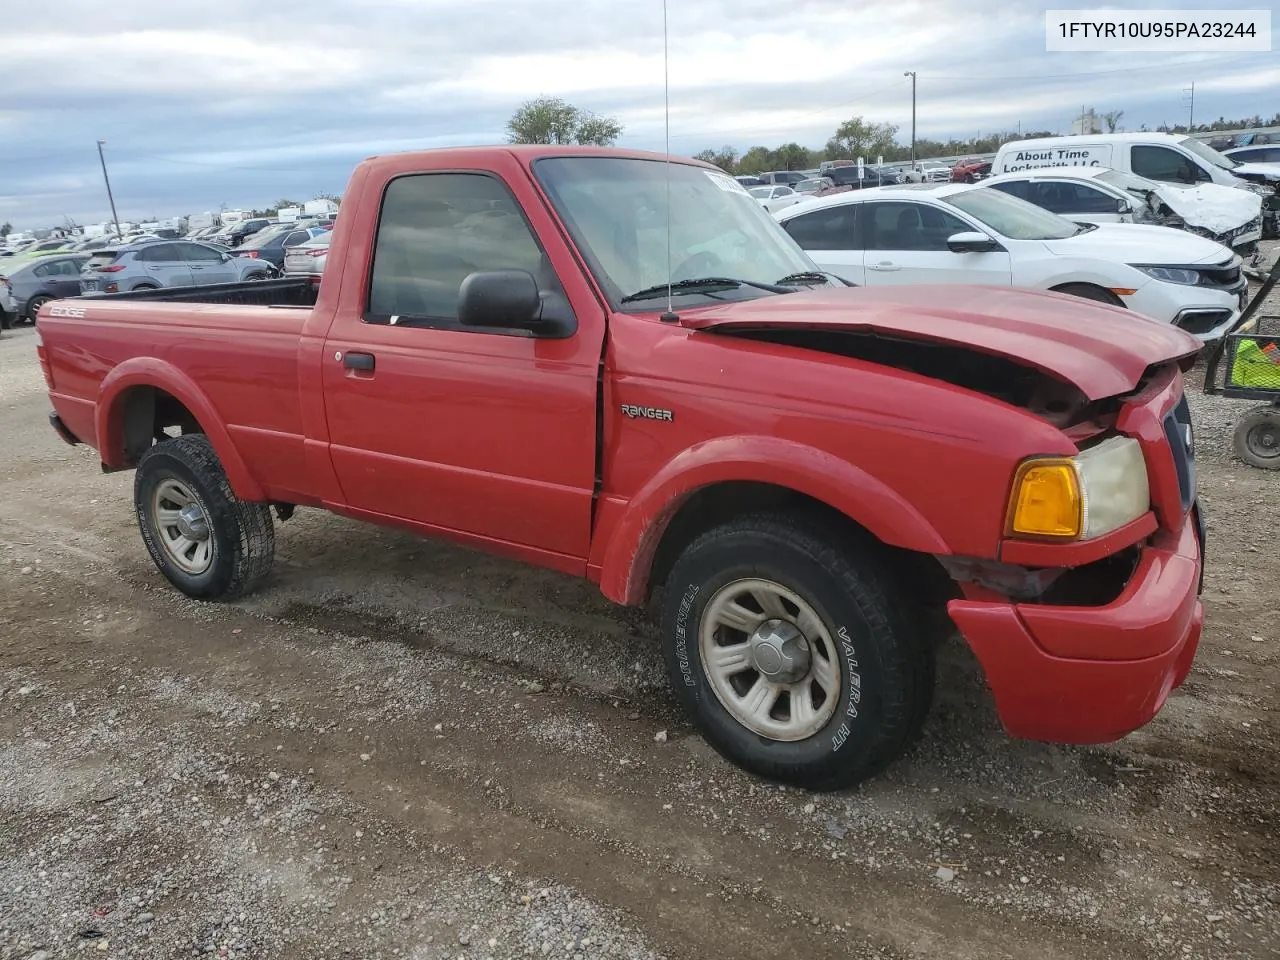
(1069, 674)
(1204, 312)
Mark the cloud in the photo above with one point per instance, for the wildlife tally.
(244, 102)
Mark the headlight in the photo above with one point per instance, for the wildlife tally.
(1170, 274)
(1257, 188)
(1078, 498)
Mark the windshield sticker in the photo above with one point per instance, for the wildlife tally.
(727, 184)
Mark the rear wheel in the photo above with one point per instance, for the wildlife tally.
(1257, 438)
(787, 648)
(210, 544)
(146, 286)
(33, 307)
(1087, 291)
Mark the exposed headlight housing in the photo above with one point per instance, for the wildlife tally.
(1183, 275)
(1099, 490)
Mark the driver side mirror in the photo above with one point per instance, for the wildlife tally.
(1123, 206)
(971, 242)
(511, 300)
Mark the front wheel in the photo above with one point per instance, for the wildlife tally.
(788, 651)
(210, 544)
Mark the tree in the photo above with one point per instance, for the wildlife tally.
(1112, 119)
(6, 228)
(552, 120)
(756, 160)
(858, 138)
(726, 158)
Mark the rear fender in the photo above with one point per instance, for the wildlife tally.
(629, 553)
(150, 372)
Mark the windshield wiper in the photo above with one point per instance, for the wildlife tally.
(660, 289)
(809, 276)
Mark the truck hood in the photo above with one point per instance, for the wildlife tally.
(1212, 206)
(1139, 243)
(1101, 350)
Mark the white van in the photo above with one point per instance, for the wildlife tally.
(1173, 158)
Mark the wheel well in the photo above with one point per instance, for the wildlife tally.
(149, 414)
(719, 503)
(1083, 290)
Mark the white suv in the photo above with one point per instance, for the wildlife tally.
(968, 233)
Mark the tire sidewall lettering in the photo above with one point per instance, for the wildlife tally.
(853, 677)
(682, 634)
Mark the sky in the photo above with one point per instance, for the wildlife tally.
(241, 103)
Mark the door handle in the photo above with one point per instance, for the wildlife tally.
(884, 266)
(358, 361)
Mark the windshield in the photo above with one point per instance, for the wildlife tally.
(1129, 181)
(616, 209)
(761, 192)
(1208, 154)
(1011, 217)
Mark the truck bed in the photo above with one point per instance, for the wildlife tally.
(283, 292)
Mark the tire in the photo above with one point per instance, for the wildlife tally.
(1257, 438)
(144, 286)
(33, 307)
(6, 320)
(1087, 291)
(234, 557)
(877, 657)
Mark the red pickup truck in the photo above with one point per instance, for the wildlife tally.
(819, 482)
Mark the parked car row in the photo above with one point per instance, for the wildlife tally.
(978, 234)
(66, 267)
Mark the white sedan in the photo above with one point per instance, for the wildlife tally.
(968, 233)
(1101, 195)
(775, 197)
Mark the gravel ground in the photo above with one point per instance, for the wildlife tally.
(403, 749)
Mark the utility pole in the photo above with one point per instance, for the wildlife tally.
(1191, 115)
(103, 160)
(912, 75)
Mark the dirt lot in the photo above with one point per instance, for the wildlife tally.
(401, 749)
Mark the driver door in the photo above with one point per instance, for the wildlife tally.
(484, 432)
(906, 243)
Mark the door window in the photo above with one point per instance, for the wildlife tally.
(831, 229)
(159, 253)
(1014, 188)
(1058, 196)
(436, 229)
(1161, 163)
(196, 252)
(900, 225)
